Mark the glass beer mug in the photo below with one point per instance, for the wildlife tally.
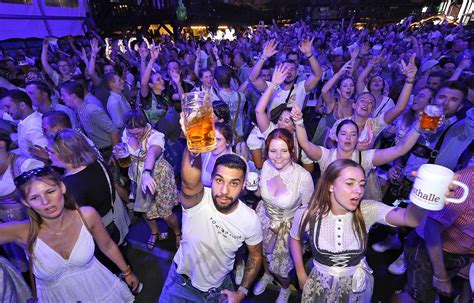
(121, 153)
(430, 118)
(198, 121)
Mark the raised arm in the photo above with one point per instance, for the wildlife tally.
(326, 90)
(360, 84)
(313, 151)
(254, 76)
(386, 155)
(263, 120)
(192, 189)
(306, 47)
(465, 63)
(197, 61)
(215, 51)
(176, 80)
(95, 48)
(143, 53)
(144, 88)
(410, 73)
(44, 59)
(14, 231)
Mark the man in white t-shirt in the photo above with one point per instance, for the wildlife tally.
(215, 225)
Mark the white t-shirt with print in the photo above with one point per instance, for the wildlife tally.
(211, 240)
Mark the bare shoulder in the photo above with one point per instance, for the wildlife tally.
(89, 214)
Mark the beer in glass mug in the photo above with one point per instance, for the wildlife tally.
(122, 154)
(430, 118)
(198, 121)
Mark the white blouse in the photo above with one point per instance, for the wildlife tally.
(337, 234)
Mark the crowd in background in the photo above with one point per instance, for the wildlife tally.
(323, 91)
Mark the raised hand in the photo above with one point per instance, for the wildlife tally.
(296, 113)
(465, 63)
(270, 48)
(155, 52)
(410, 69)
(215, 51)
(355, 52)
(346, 67)
(306, 46)
(95, 46)
(279, 74)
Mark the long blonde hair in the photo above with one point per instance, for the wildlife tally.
(320, 203)
(24, 182)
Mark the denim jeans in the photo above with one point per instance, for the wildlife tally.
(420, 271)
(178, 288)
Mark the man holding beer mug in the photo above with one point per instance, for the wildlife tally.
(445, 144)
(443, 147)
(213, 231)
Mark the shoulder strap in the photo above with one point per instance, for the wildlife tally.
(234, 122)
(435, 151)
(110, 185)
(289, 94)
(386, 102)
(360, 157)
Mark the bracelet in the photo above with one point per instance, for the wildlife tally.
(147, 170)
(440, 280)
(310, 56)
(262, 57)
(299, 122)
(127, 273)
(243, 290)
(273, 85)
(408, 81)
(417, 130)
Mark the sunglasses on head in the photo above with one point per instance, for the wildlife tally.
(37, 172)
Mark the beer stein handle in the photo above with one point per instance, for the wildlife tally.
(464, 195)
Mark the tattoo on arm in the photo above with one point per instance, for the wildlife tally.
(192, 198)
(252, 267)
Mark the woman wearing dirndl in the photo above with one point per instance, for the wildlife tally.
(154, 185)
(337, 223)
(284, 187)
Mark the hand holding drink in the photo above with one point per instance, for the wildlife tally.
(122, 154)
(431, 118)
(431, 185)
(198, 120)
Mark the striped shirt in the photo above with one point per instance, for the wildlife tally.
(457, 219)
(96, 124)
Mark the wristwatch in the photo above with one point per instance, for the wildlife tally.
(243, 290)
(147, 170)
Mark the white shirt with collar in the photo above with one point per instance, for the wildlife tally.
(30, 133)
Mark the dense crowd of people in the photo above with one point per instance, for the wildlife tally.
(327, 115)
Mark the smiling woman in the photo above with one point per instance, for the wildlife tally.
(284, 186)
